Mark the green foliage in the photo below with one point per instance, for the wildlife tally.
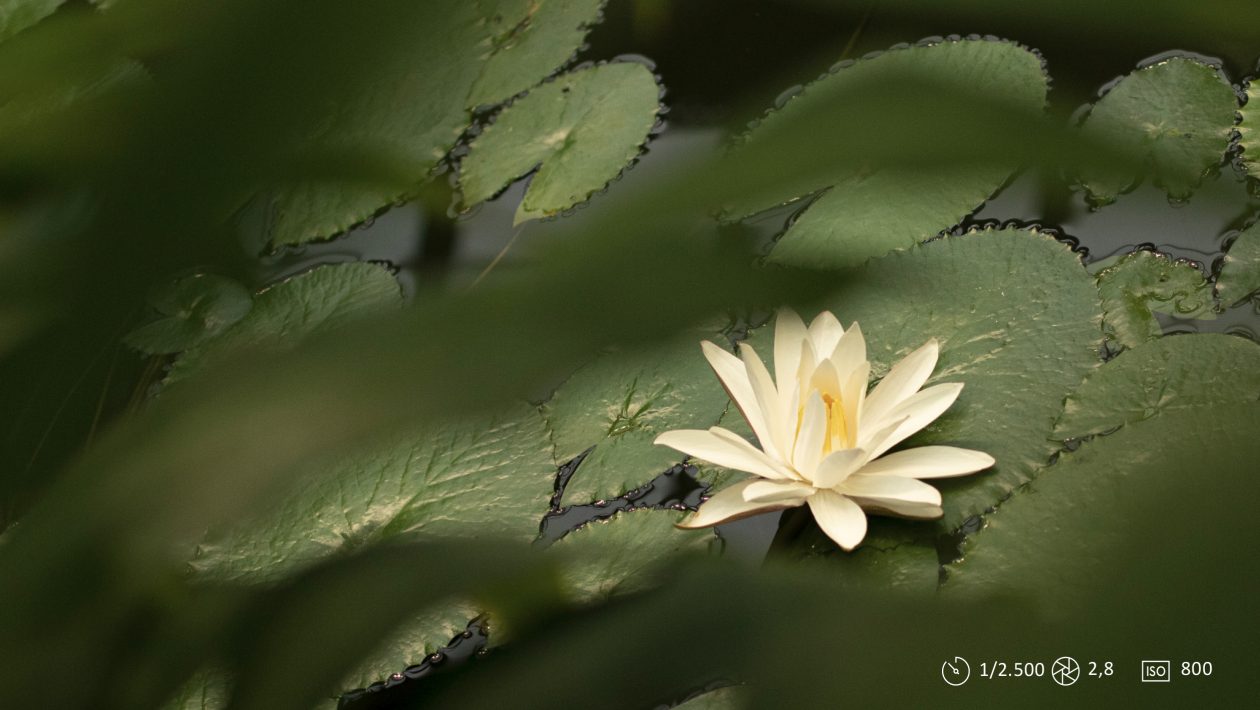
(582, 128)
(1240, 274)
(1161, 376)
(324, 298)
(1142, 283)
(1249, 136)
(17, 15)
(1178, 113)
(530, 39)
(729, 698)
(193, 309)
(850, 222)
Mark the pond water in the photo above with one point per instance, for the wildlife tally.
(441, 251)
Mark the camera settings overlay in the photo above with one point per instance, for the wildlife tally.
(1066, 670)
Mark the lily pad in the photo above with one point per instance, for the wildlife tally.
(531, 39)
(195, 309)
(1249, 134)
(851, 221)
(617, 555)
(621, 402)
(1117, 494)
(1171, 373)
(321, 298)
(1144, 282)
(1177, 114)
(1240, 274)
(1017, 317)
(583, 128)
(413, 113)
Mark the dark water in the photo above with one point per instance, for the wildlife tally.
(722, 63)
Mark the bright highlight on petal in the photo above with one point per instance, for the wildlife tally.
(822, 436)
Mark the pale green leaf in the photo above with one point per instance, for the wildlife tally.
(868, 211)
(1178, 114)
(194, 309)
(1142, 283)
(1052, 542)
(583, 128)
(621, 402)
(1240, 274)
(1171, 373)
(618, 555)
(325, 297)
(531, 39)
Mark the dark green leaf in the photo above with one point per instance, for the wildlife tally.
(1240, 274)
(195, 309)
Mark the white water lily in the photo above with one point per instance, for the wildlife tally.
(823, 438)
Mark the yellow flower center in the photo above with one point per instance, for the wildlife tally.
(837, 437)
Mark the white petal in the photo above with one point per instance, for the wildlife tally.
(929, 462)
(840, 518)
(903, 380)
(789, 334)
(888, 506)
(729, 504)
(850, 353)
(873, 439)
(724, 448)
(854, 400)
(777, 492)
(768, 400)
(825, 332)
(734, 376)
(838, 466)
(918, 410)
(893, 488)
(826, 379)
(809, 442)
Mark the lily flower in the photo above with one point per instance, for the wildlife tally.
(823, 437)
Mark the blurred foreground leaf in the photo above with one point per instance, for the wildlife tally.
(192, 309)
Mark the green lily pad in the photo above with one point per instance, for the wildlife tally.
(1178, 114)
(583, 128)
(1249, 136)
(531, 39)
(895, 554)
(321, 298)
(618, 555)
(1117, 494)
(1143, 282)
(1240, 274)
(1017, 317)
(621, 402)
(851, 221)
(1171, 373)
(413, 113)
(196, 308)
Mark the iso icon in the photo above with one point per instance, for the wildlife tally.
(1065, 671)
(1156, 671)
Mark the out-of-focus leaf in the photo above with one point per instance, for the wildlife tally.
(1016, 315)
(322, 298)
(871, 209)
(620, 554)
(409, 643)
(194, 309)
(412, 110)
(583, 128)
(1240, 274)
(1142, 283)
(1178, 113)
(1164, 375)
(1053, 540)
(206, 690)
(17, 15)
(1249, 135)
(728, 698)
(621, 402)
(895, 554)
(531, 38)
